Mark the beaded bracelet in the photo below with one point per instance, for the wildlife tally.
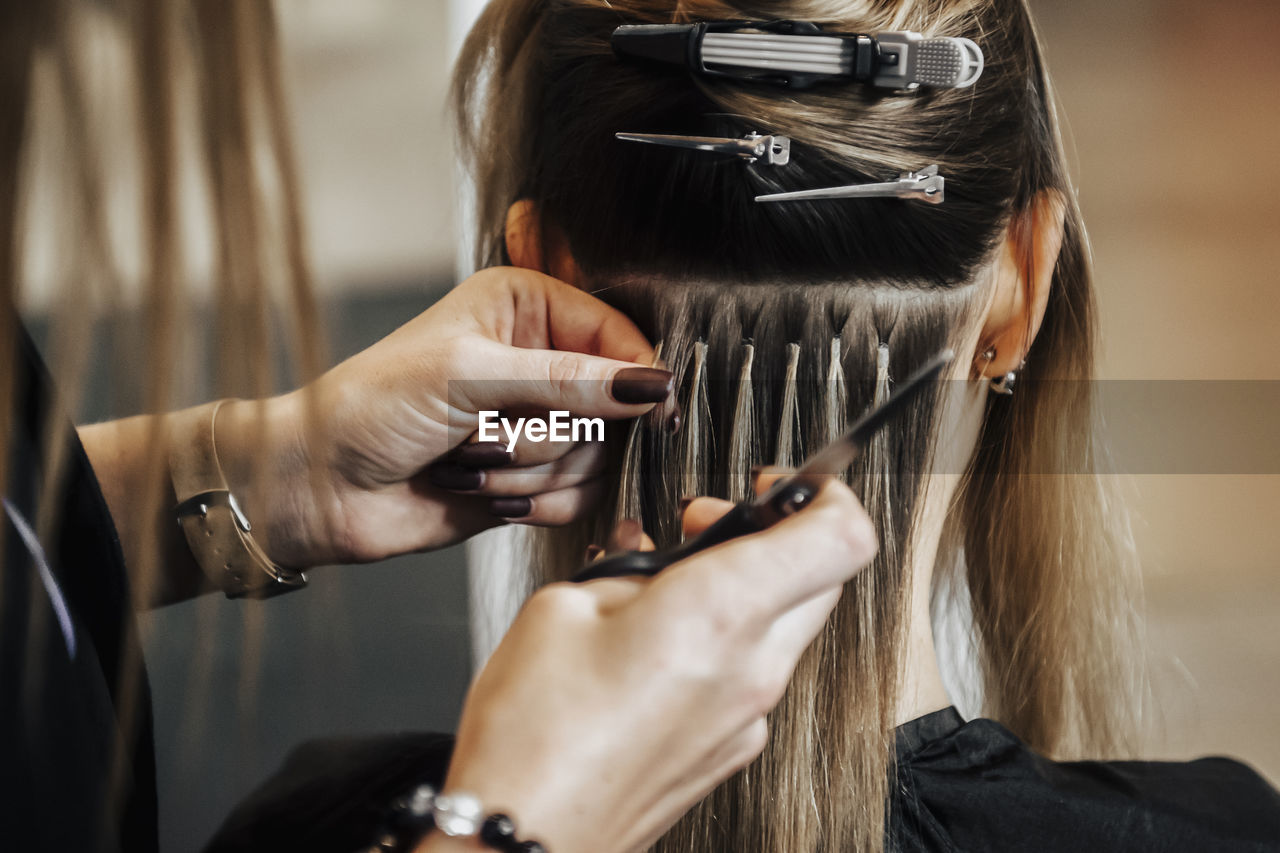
(457, 815)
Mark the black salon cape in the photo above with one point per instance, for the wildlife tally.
(976, 786)
(961, 787)
(66, 625)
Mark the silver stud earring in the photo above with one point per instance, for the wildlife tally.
(1004, 385)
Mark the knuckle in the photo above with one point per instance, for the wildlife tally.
(722, 618)
(847, 526)
(560, 600)
(566, 372)
(765, 689)
(454, 356)
(859, 535)
(838, 498)
(701, 644)
(753, 741)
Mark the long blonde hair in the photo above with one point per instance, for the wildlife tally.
(783, 321)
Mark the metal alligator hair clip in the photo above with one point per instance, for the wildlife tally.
(925, 185)
(775, 150)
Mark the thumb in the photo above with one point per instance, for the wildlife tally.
(550, 380)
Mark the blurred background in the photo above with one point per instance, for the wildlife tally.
(1171, 121)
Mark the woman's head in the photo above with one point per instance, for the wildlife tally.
(785, 320)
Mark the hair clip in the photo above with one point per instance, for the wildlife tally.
(925, 185)
(776, 150)
(799, 53)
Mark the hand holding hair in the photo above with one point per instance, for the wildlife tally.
(505, 339)
(342, 470)
(611, 707)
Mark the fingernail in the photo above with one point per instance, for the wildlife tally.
(483, 455)
(756, 469)
(593, 553)
(685, 501)
(636, 385)
(456, 478)
(511, 507)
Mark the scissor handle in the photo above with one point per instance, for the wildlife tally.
(739, 521)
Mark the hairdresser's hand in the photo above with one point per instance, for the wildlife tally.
(394, 426)
(612, 707)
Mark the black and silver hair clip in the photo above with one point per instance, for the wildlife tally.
(925, 185)
(799, 53)
(774, 150)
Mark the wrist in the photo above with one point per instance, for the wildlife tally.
(263, 458)
(425, 818)
(499, 794)
(438, 842)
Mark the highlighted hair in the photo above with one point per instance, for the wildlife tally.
(833, 300)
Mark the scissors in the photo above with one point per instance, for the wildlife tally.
(788, 495)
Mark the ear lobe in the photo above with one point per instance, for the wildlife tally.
(535, 245)
(524, 236)
(1023, 279)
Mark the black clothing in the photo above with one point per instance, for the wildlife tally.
(332, 795)
(976, 786)
(67, 633)
(961, 787)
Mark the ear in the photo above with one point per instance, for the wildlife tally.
(1023, 277)
(537, 246)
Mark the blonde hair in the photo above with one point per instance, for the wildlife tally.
(784, 321)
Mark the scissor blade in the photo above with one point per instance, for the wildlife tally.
(839, 454)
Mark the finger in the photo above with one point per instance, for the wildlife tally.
(794, 631)
(551, 509)
(502, 377)
(628, 535)
(584, 463)
(573, 320)
(701, 513)
(614, 593)
(758, 577)
(764, 476)
(526, 308)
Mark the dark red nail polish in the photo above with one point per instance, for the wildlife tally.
(456, 478)
(483, 455)
(685, 501)
(593, 553)
(511, 507)
(637, 385)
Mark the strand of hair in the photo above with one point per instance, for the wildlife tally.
(789, 426)
(740, 437)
